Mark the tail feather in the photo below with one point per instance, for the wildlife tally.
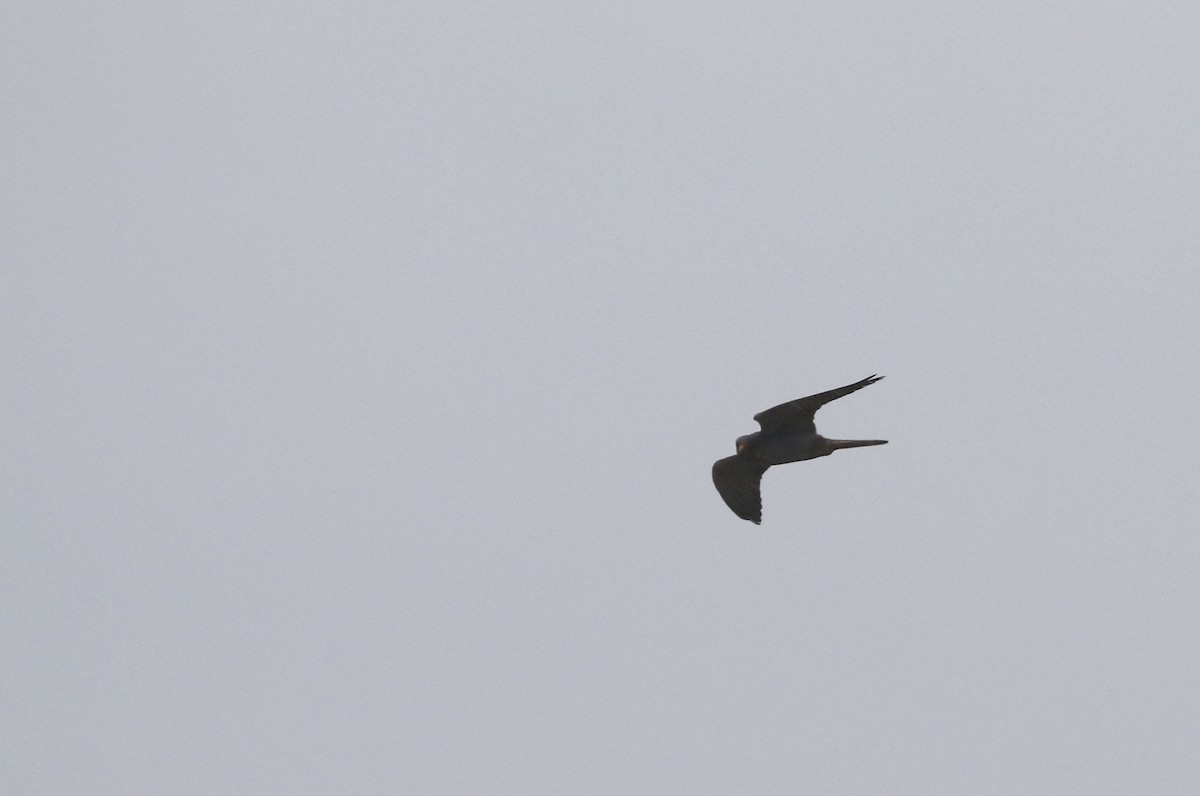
(836, 444)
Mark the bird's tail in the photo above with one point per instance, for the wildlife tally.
(836, 444)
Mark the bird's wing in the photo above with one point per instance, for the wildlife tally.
(737, 479)
(797, 415)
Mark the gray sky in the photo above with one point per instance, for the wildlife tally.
(366, 363)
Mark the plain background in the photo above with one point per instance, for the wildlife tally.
(364, 364)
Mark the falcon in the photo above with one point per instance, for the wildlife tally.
(787, 434)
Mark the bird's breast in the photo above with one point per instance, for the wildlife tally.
(786, 448)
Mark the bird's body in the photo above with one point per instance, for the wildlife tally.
(787, 435)
(799, 446)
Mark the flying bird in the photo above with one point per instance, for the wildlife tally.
(788, 435)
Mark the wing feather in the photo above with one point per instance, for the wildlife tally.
(737, 479)
(798, 415)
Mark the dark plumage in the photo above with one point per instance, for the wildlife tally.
(787, 434)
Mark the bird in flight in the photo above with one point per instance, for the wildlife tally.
(788, 435)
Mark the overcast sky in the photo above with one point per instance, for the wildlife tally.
(364, 365)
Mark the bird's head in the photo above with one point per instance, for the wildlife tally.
(746, 444)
